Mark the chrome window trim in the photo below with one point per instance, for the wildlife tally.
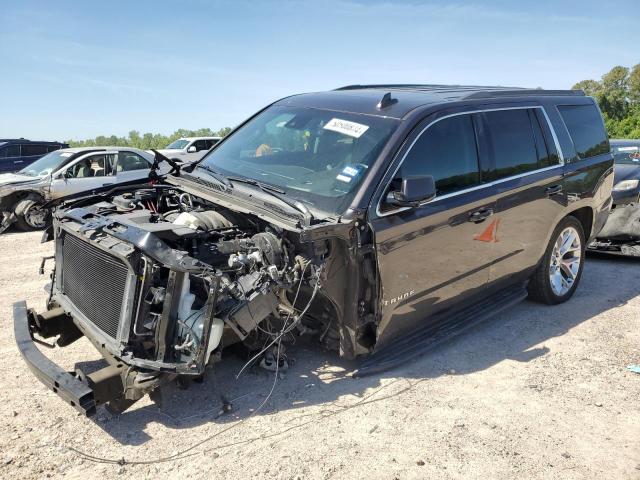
(483, 185)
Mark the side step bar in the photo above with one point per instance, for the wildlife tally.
(424, 340)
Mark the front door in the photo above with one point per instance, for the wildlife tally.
(438, 255)
(90, 172)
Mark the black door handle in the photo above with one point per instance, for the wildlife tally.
(480, 215)
(556, 189)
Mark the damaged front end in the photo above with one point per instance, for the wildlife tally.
(161, 280)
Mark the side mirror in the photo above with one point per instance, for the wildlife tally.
(413, 192)
(191, 149)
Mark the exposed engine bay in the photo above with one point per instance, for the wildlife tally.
(161, 281)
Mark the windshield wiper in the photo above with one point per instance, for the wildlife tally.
(219, 177)
(277, 193)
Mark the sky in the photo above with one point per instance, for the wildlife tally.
(78, 69)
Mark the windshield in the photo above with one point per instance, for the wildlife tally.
(629, 154)
(177, 145)
(316, 156)
(47, 164)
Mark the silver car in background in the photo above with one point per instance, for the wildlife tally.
(62, 173)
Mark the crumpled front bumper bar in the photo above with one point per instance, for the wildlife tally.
(73, 391)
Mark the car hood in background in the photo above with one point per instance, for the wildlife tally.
(170, 153)
(18, 179)
(623, 171)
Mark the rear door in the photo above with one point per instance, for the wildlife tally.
(131, 167)
(527, 170)
(10, 160)
(5, 163)
(435, 257)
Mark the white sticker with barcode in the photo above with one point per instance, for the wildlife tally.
(346, 127)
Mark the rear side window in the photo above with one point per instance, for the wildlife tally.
(129, 161)
(33, 149)
(53, 148)
(586, 129)
(200, 145)
(511, 139)
(447, 151)
(13, 151)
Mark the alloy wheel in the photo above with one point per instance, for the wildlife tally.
(35, 216)
(566, 260)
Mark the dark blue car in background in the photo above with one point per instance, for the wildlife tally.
(15, 154)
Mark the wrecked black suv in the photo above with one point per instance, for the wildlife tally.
(381, 219)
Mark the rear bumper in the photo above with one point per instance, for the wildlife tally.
(73, 391)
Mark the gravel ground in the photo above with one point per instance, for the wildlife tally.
(539, 392)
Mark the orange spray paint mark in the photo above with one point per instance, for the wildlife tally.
(490, 233)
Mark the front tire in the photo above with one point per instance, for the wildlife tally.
(31, 214)
(558, 275)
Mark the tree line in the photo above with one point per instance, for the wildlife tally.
(147, 140)
(618, 95)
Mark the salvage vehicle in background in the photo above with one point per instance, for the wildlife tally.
(17, 153)
(62, 173)
(621, 233)
(380, 219)
(189, 149)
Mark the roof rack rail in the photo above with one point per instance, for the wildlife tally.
(424, 87)
(523, 92)
(475, 91)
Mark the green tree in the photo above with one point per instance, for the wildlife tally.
(618, 95)
(147, 140)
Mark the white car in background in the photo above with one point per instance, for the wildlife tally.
(66, 172)
(189, 149)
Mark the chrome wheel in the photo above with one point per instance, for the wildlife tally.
(35, 216)
(566, 260)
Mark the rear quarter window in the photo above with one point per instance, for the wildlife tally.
(586, 129)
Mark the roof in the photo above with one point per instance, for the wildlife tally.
(24, 140)
(199, 138)
(100, 149)
(368, 99)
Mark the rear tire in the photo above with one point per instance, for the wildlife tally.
(30, 214)
(558, 275)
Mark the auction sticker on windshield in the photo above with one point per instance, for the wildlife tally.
(346, 127)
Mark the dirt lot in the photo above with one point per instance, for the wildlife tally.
(538, 392)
